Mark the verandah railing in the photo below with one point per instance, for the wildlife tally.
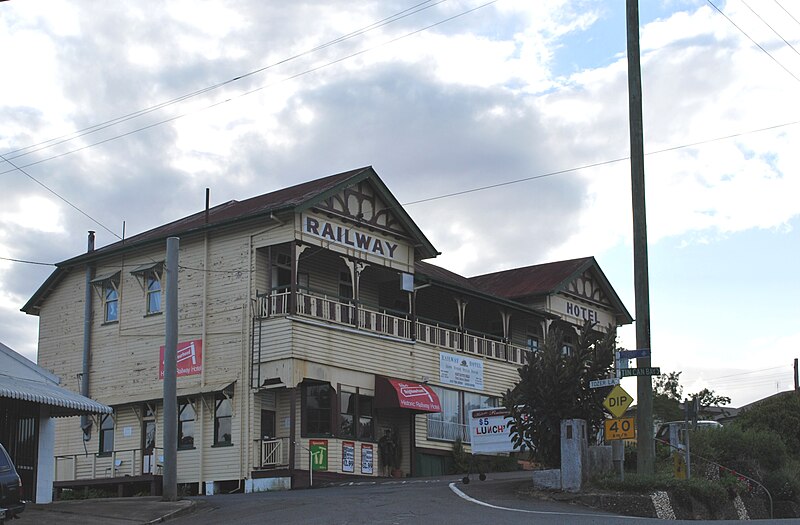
(334, 309)
(130, 462)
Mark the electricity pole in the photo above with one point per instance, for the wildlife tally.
(170, 479)
(645, 447)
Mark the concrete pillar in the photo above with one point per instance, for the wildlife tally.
(574, 454)
(46, 464)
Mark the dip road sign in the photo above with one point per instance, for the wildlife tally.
(617, 401)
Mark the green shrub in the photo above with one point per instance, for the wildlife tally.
(779, 414)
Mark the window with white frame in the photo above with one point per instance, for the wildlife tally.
(150, 278)
(110, 302)
(153, 292)
(453, 421)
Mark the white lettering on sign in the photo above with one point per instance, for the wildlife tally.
(587, 314)
(347, 236)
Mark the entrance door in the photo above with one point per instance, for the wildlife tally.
(267, 424)
(149, 446)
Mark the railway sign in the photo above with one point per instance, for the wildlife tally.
(617, 401)
(622, 428)
(648, 371)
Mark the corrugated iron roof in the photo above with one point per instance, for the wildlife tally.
(62, 402)
(293, 198)
(230, 211)
(539, 279)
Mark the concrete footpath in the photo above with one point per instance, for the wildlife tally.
(106, 511)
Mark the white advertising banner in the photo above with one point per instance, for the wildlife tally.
(458, 370)
(490, 430)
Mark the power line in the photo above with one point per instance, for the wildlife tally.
(787, 12)
(112, 122)
(544, 175)
(43, 185)
(771, 28)
(753, 41)
(250, 92)
(595, 164)
(746, 373)
(26, 262)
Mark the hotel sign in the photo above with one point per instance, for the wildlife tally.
(459, 370)
(189, 358)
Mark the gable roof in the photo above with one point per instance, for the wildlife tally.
(544, 279)
(295, 198)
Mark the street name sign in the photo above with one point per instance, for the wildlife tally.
(634, 354)
(633, 372)
(622, 428)
(600, 383)
(617, 401)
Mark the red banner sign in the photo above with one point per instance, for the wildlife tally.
(189, 358)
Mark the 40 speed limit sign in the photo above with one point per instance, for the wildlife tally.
(622, 428)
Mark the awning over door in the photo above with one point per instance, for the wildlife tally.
(397, 393)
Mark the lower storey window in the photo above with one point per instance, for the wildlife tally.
(452, 422)
(223, 412)
(317, 403)
(186, 417)
(355, 415)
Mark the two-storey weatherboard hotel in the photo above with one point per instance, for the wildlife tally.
(312, 335)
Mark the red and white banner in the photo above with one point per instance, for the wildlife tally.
(189, 358)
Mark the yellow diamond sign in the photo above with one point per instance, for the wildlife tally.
(617, 401)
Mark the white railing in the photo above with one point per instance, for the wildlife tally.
(274, 453)
(334, 310)
(71, 467)
(447, 430)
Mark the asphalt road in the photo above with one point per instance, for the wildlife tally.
(421, 501)
(495, 501)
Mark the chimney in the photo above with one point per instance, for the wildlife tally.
(90, 247)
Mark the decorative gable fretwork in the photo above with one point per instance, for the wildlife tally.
(587, 287)
(361, 204)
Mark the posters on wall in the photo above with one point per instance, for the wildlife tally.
(366, 458)
(318, 448)
(348, 456)
(459, 370)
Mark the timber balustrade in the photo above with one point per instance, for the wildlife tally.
(72, 467)
(337, 310)
(271, 453)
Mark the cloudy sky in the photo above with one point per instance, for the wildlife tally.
(440, 97)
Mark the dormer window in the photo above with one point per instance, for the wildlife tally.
(108, 287)
(150, 279)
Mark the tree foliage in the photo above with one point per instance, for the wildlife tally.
(554, 385)
(667, 392)
(708, 398)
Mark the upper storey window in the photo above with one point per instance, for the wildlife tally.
(108, 287)
(150, 279)
(110, 303)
